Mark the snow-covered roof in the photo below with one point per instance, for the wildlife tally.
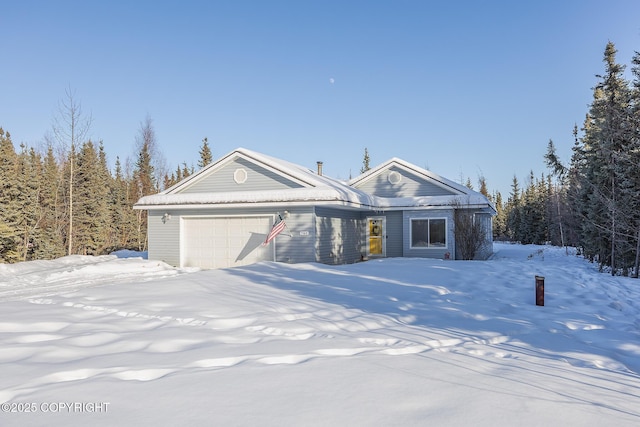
(326, 193)
(304, 176)
(315, 189)
(430, 176)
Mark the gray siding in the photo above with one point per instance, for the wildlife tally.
(295, 244)
(164, 238)
(409, 186)
(408, 251)
(325, 235)
(300, 247)
(222, 180)
(487, 248)
(394, 234)
(338, 236)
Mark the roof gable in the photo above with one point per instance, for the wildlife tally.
(245, 170)
(397, 178)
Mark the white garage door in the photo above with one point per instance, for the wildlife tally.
(225, 241)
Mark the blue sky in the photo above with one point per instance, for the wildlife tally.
(463, 88)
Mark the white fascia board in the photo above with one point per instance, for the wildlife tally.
(349, 205)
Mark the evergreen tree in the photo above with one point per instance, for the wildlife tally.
(186, 171)
(604, 142)
(205, 154)
(178, 175)
(601, 185)
(529, 220)
(500, 220)
(9, 237)
(144, 176)
(27, 194)
(632, 186)
(169, 181)
(484, 190)
(514, 211)
(365, 161)
(123, 217)
(90, 202)
(468, 184)
(50, 236)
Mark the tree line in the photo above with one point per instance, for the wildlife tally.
(593, 201)
(65, 200)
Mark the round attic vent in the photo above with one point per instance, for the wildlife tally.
(394, 177)
(240, 176)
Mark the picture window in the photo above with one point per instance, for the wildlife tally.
(428, 233)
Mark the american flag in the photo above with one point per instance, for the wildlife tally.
(277, 228)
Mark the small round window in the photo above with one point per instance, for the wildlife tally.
(240, 176)
(394, 177)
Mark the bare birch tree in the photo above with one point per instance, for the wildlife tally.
(70, 129)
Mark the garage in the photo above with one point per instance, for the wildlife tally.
(220, 242)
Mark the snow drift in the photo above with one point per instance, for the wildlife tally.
(388, 342)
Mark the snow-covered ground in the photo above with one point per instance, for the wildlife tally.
(132, 342)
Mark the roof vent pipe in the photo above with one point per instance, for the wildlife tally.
(319, 168)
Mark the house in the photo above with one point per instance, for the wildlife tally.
(220, 216)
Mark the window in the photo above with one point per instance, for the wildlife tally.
(240, 176)
(428, 233)
(394, 177)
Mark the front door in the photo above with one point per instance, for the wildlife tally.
(377, 246)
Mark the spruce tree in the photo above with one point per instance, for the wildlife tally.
(85, 228)
(205, 154)
(468, 184)
(9, 236)
(605, 140)
(144, 176)
(514, 212)
(482, 182)
(500, 220)
(632, 185)
(365, 161)
(50, 243)
(123, 217)
(27, 194)
(186, 171)
(599, 184)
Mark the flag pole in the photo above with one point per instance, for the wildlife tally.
(286, 226)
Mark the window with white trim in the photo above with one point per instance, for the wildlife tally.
(240, 176)
(428, 233)
(394, 177)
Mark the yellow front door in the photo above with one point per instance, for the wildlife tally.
(375, 237)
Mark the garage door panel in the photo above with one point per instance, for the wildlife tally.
(219, 242)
